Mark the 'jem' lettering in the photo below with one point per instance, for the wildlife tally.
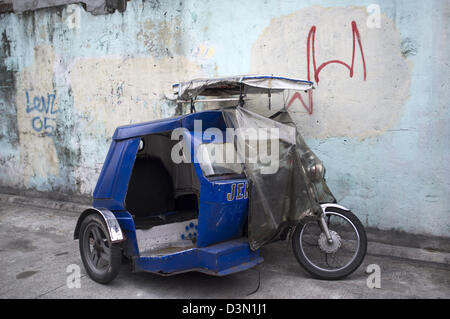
(238, 191)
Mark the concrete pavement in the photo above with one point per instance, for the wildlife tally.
(37, 246)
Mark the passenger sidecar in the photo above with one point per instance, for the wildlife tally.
(140, 187)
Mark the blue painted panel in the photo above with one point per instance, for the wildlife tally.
(182, 261)
(221, 259)
(210, 118)
(126, 223)
(112, 185)
(219, 218)
(103, 189)
(141, 129)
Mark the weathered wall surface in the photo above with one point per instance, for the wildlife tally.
(379, 117)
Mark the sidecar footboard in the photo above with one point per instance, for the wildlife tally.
(219, 260)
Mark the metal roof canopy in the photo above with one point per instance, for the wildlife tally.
(185, 92)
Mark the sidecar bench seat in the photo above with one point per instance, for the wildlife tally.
(150, 190)
(147, 222)
(150, 196)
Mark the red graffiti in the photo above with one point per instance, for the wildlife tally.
(308, 107)
(310, 48)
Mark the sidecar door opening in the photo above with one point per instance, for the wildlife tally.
(161, 191)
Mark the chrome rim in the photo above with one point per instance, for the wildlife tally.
(330, 262)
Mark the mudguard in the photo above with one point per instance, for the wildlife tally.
(325, 206)
(115, 232)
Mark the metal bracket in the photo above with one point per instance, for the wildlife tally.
(192, 106)
(241, 96)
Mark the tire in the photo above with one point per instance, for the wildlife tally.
(101, 258)
(358, 256)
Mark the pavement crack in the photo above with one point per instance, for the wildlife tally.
(54, 289)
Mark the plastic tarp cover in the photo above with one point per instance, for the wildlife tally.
(283, 198)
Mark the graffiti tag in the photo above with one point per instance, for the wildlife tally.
(45, 106)
(311, 58)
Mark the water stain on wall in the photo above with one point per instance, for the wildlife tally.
(36, 116)
(162, 38)
(9, 131)
(8, 120)
(69, 105)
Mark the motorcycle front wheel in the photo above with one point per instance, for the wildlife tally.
(336, 260)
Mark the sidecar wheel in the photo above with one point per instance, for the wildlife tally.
(319, 257)
(100, 257)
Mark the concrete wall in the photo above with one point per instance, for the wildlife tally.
(381, 124)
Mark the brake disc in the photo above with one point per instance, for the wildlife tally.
(325, 246)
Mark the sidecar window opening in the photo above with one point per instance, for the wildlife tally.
(219, 159)
(161, 191)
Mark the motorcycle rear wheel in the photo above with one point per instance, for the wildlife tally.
(101, 258)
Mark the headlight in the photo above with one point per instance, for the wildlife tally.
(316, 171)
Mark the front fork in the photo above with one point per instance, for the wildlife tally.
(324, 226)
(323, 223)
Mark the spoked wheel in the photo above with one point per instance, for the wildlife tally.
(100, 257)
(333, 260)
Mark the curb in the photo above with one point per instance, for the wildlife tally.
(373, 247)
(412, 253)
(43, 203)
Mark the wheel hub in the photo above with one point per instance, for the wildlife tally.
(325, 246)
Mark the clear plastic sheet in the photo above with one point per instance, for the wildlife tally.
(292, 193)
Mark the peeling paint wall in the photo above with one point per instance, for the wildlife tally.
(379, 117)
